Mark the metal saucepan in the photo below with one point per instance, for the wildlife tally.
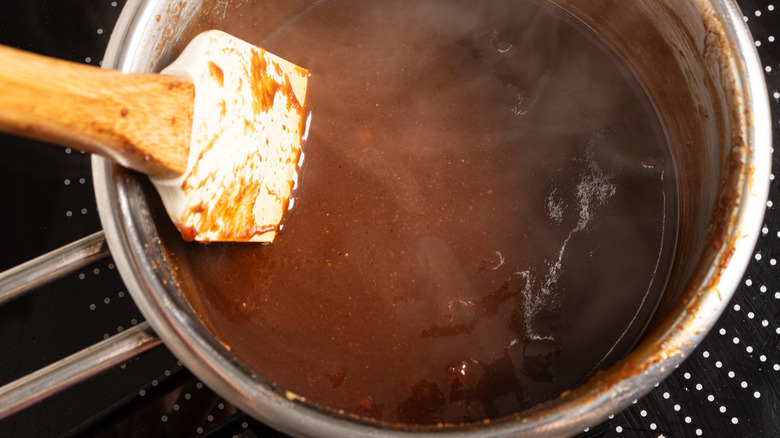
(700, 67)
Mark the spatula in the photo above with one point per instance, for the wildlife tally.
(218, 132)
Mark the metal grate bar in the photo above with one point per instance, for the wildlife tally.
(75, 368)
(51, 266)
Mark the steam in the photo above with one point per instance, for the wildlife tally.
(537, 107)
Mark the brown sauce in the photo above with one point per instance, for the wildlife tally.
(486, 215)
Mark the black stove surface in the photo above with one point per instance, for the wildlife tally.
(729, 387)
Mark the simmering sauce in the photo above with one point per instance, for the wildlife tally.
(485, 216)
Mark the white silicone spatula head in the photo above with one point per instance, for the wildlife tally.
(247, 127)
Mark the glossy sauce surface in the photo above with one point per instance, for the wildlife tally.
(485, 217)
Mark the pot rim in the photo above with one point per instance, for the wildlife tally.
(606, 394)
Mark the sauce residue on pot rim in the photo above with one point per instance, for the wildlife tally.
(486, 215)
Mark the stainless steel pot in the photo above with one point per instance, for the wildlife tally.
(699, 65)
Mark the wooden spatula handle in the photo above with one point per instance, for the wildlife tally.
(143, 121)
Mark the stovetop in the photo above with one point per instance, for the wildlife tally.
(730, 386)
